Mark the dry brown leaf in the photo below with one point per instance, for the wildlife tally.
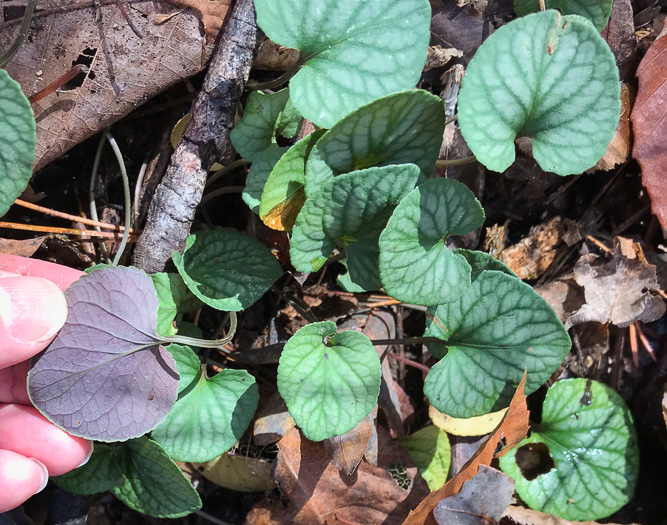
(618, 150)
(346, 451)
(237, 472)
(619, 291)
(125, 70)
(272, 422)
(271, 56)
(24, 248)
(513, 428)
(439, 56)
(650, 125)
(523, 516)
(318, 493)
(212, 13)
(565, 296)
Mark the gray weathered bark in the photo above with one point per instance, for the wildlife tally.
(205, 140)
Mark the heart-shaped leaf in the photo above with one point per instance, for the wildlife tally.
(17, 141)
(498, 329)
(105, 375)
(597, 11)
(283, 194)
(210, 414)
(259, 173)
(480, 262)
(153, 483)
(329, 382)
(547, 77)
(351, 53)
(581, 462)
(415, 265)
(227, 270)
(401, 128)
(264, 117)
(352, 209)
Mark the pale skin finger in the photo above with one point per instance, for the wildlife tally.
(20, 478)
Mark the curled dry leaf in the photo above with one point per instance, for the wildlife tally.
(523, 516)
(618, 150)
(125, 69)
(650, 125)
(513, 428)
(619, 291)
(211, 13)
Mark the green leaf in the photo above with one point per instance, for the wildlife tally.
(352, 209)
(100, 474)
(17, 141)
(210, 414)
(153, 483)
(175, 298)
(345, 282)
(597, 11)
(415, 265)
(226, 270)
(264, 117)
(591, 452)
(351, 53)
(498, 329)
(329, 382)
(550, 78)
(480, 262)
(430, 450)
(283, 194)
(259, 172)
(401, 128)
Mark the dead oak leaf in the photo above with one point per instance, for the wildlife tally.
(618, 291)
(212, 13)
(649, 125)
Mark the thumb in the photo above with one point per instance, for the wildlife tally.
(32, 310)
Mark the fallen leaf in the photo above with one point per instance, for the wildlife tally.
(618, 291)
(522, 516)
(212, 14)
(565, 296)
(513, 428)
(618, 150)
(439, 56)
(472, 426)
(272, 422)
(318, 493)
(346, 451)
(237, 472)
(25, 248)
(481, 501)
(650, 125)
(125, 69)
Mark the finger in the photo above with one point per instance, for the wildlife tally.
(25, 431)
(13, 384)
(32, 310)
(20, 478)
(62, 276)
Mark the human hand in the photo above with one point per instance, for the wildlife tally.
(32, 310)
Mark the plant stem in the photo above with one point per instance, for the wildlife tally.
(452, 119)
(203, 343)
(410, 362)
(408, 341)
(456, 162)
(276, 82)
(91, 195)
(58, 83)
(221, 191)
(65, 231)
(67, 216)
(23, 33)
(227, 169)
(126, 194)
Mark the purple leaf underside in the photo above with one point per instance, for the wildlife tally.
(105, 376)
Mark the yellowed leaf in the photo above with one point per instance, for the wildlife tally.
(474, 426)
(238, 472)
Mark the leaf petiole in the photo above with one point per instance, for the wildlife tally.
(204, 343)
(276, 82)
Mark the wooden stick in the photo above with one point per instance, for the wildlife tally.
(66, 231)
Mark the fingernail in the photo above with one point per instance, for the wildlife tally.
(91, 449)
(32, 309)
(45, 475)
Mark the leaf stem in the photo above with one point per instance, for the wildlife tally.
(456, 162)
(91, 196)
(24, 30)
(240, 163)
(408, 341)
(276, 82)
(221, 191)
(126, 195)
(410, 362)
(204, 343)
(67, 216)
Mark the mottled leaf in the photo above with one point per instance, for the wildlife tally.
(329, 381)
(597, 11)
(351, 53)
(174, 297)
(581, 462)
(101, 473)
(415, 265)
(547, 77)
(430, 450)
(105, 376)
(259, 173)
